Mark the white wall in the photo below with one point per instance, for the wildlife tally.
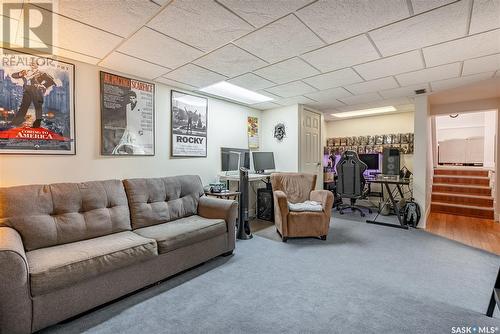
(286, 153)
(374, 125)
(226, 127)
(490, 136)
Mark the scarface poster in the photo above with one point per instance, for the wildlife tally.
(127, 116)
(36, 105)
(189, 125)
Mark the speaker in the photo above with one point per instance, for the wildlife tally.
(265, 204)
(391, 161)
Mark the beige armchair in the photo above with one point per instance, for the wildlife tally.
(298, 188)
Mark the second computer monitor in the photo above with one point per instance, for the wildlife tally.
(371, 160)
(263, 161)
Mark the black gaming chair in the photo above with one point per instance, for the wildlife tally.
(351, 182)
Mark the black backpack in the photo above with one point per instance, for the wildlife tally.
(411, 214)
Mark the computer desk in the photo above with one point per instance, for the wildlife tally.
(386, 181)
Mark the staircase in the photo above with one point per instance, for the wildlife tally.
(463, 192)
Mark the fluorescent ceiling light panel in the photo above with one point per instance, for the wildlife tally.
(364, 112)
(236, 93)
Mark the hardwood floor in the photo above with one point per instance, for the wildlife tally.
(475, 232)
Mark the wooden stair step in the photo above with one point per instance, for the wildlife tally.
(461, 172)
(482, 201)
(459, 189)
(463, 210)
(464, 180)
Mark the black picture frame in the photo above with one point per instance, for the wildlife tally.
(182, 143)
(112, 124)
(4, 149)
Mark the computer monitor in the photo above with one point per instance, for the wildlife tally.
(234, 158)
(371, 160)
(263, 161)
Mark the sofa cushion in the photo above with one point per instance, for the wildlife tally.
(183, 232)
(48, 215)
(155, 201)
(60, 266)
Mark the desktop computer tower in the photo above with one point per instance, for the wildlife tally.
(265, 204)
(391, 161)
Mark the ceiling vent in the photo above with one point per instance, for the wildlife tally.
(420, 91)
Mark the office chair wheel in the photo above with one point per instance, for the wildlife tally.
(362, 214)
(370, 211)
(341, 212)
(323, 237)
(284, 239)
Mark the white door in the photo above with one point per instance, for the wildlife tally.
(310, 145)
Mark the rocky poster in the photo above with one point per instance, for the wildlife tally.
(127, 116)
(36, 105)
(189, 125)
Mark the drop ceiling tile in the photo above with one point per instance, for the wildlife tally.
(420, 6)
(261, 12)
(459, 82)
(485, 16)
(358, 99)
(251, 81)
(334, 79)
(291, 89)
(337, 20)
(286, 71)
(128, 65)
(118, 17)
(403, 91)
(174, 84)
(78, 37)
(372, 86)
(328, 95)
(295, 100)
(469, 47)
(279, 40)
(265, 106)
(322, 106)
(75, 56)
(157, 48)
(230, 60)
(483, 64)
(402, 63)
(266, 93)
(429, 74)
(202, 24)
(399, 103)
(350, 52)
(433, 27)
(194, 75)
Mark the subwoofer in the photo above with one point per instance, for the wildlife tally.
(391, 161)
(265, 204)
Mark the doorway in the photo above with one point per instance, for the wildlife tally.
(310, 148)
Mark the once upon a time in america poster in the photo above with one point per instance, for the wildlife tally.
(189, 125)
(127, 116)
(36, 105)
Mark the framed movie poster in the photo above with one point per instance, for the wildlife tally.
(37, 113)
(253, 132)
(127, 116)
(188, 125)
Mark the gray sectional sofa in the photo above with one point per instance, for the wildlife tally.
(66, 248)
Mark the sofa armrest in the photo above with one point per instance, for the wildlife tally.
(15, 298)
(215, 208)
(325, 197)
(281, 212)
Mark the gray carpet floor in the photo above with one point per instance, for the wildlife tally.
(362, 279)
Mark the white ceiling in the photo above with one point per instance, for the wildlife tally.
(328, 54)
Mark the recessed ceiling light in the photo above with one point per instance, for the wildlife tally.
(236, 93)
(364, 112)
